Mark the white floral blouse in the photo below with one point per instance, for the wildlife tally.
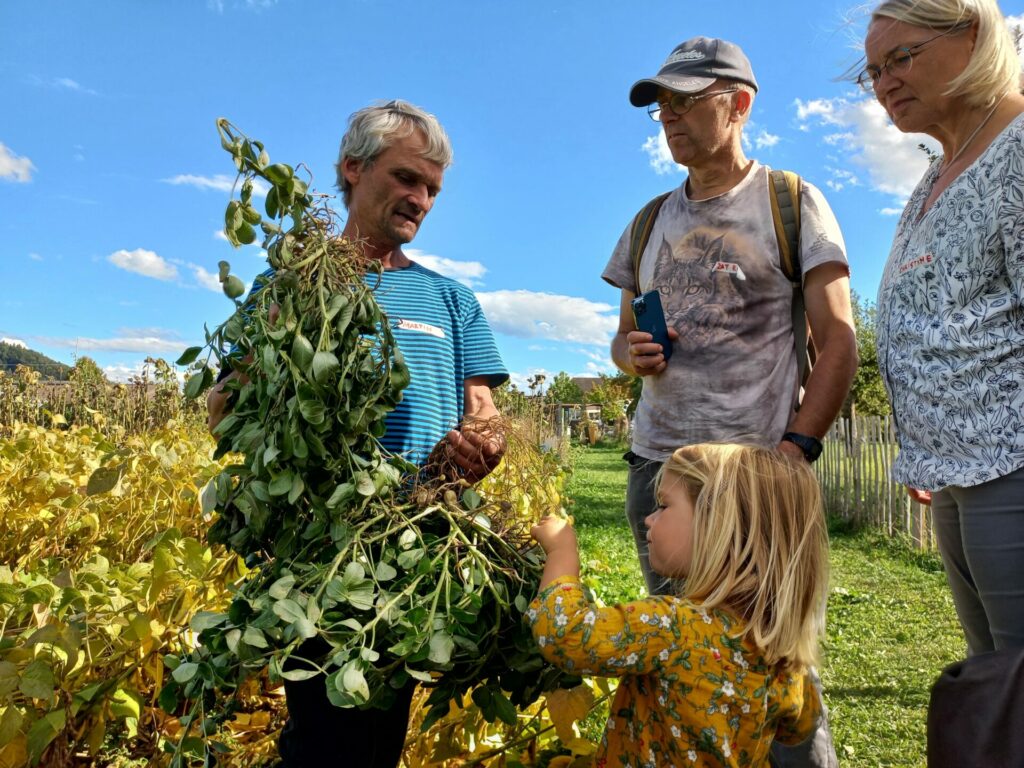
(951, 323)
(690, 693)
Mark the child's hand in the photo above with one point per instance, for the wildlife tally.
(554, 533)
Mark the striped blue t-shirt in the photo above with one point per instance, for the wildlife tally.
(442, 332)
(444, 336)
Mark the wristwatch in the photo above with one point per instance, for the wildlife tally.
(811, 446)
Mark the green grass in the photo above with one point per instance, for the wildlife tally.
(891, 625)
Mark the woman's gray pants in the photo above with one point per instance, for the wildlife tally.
(980, 533)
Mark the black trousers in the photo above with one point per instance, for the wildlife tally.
(321, 735)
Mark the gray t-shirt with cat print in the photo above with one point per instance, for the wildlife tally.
(715, 262)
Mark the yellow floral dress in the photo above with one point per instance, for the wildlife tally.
(691, 693)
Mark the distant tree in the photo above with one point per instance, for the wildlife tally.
(564, 390)
(613, 394)
(87, 372)
(868, 391)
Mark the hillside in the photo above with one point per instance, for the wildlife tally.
(12, 355)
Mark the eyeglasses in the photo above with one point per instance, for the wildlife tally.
(898, 62)
(681, 103)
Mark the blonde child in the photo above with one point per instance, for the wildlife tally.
(711, 677)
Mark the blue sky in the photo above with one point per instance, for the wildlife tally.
(113, 183)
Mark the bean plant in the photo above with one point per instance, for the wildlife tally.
(399, 575)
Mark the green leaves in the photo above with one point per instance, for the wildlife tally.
(325, 367)
(441, 648)
(185, 672)
(302, 352)
(353, 588)
(104, 479)
(198, 382)
(37, 681)
(189, 356)
(293, 615)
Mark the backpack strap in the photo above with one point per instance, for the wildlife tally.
(784, 194)
(640, 233)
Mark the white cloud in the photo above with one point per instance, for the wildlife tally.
(466, 272)
(763, 139)
(220, 183)
(14, 342)
(607, 368)
(603, 357)
(531, 315)
(892, 159)
(754, 137)
(208, 280)
(123, 373)
(128, 342)
(35, 257)
(219, 235)
(14, 168)
(252, 5)
(659, 156)
(66, 83)
(144, 262)
(62, 84)
(841, 178)
(127, 373)
(891, 211)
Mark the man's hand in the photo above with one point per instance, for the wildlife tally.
(476, 449)
(791, 449)
(645, 356)
(921, 497)
(217, 399)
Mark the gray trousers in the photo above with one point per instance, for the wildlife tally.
(816, 752)
(980, 533)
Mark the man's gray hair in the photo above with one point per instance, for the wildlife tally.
(373, 129)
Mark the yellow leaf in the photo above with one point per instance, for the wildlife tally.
(562, 761)
(566, 707)
(140, 626)
(15, 754)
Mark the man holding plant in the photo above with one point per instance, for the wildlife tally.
(390, 170)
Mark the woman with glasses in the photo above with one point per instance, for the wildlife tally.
(951, 301)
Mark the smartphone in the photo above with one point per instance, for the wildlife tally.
(650, 318)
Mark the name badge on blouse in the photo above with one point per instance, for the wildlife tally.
(916, 262)
(412, 325)
(730, 268)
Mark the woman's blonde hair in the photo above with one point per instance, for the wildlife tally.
(994, 68)
(760, 544)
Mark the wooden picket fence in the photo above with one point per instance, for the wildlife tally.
(856, 482)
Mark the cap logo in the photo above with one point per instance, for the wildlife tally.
(683, 56)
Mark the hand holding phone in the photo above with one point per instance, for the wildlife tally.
(650, 318)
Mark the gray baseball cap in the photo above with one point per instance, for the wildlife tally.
(692, 67)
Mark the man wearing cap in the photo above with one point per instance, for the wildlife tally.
(713, 257)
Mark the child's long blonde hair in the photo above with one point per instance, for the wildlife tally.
(760, 544)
